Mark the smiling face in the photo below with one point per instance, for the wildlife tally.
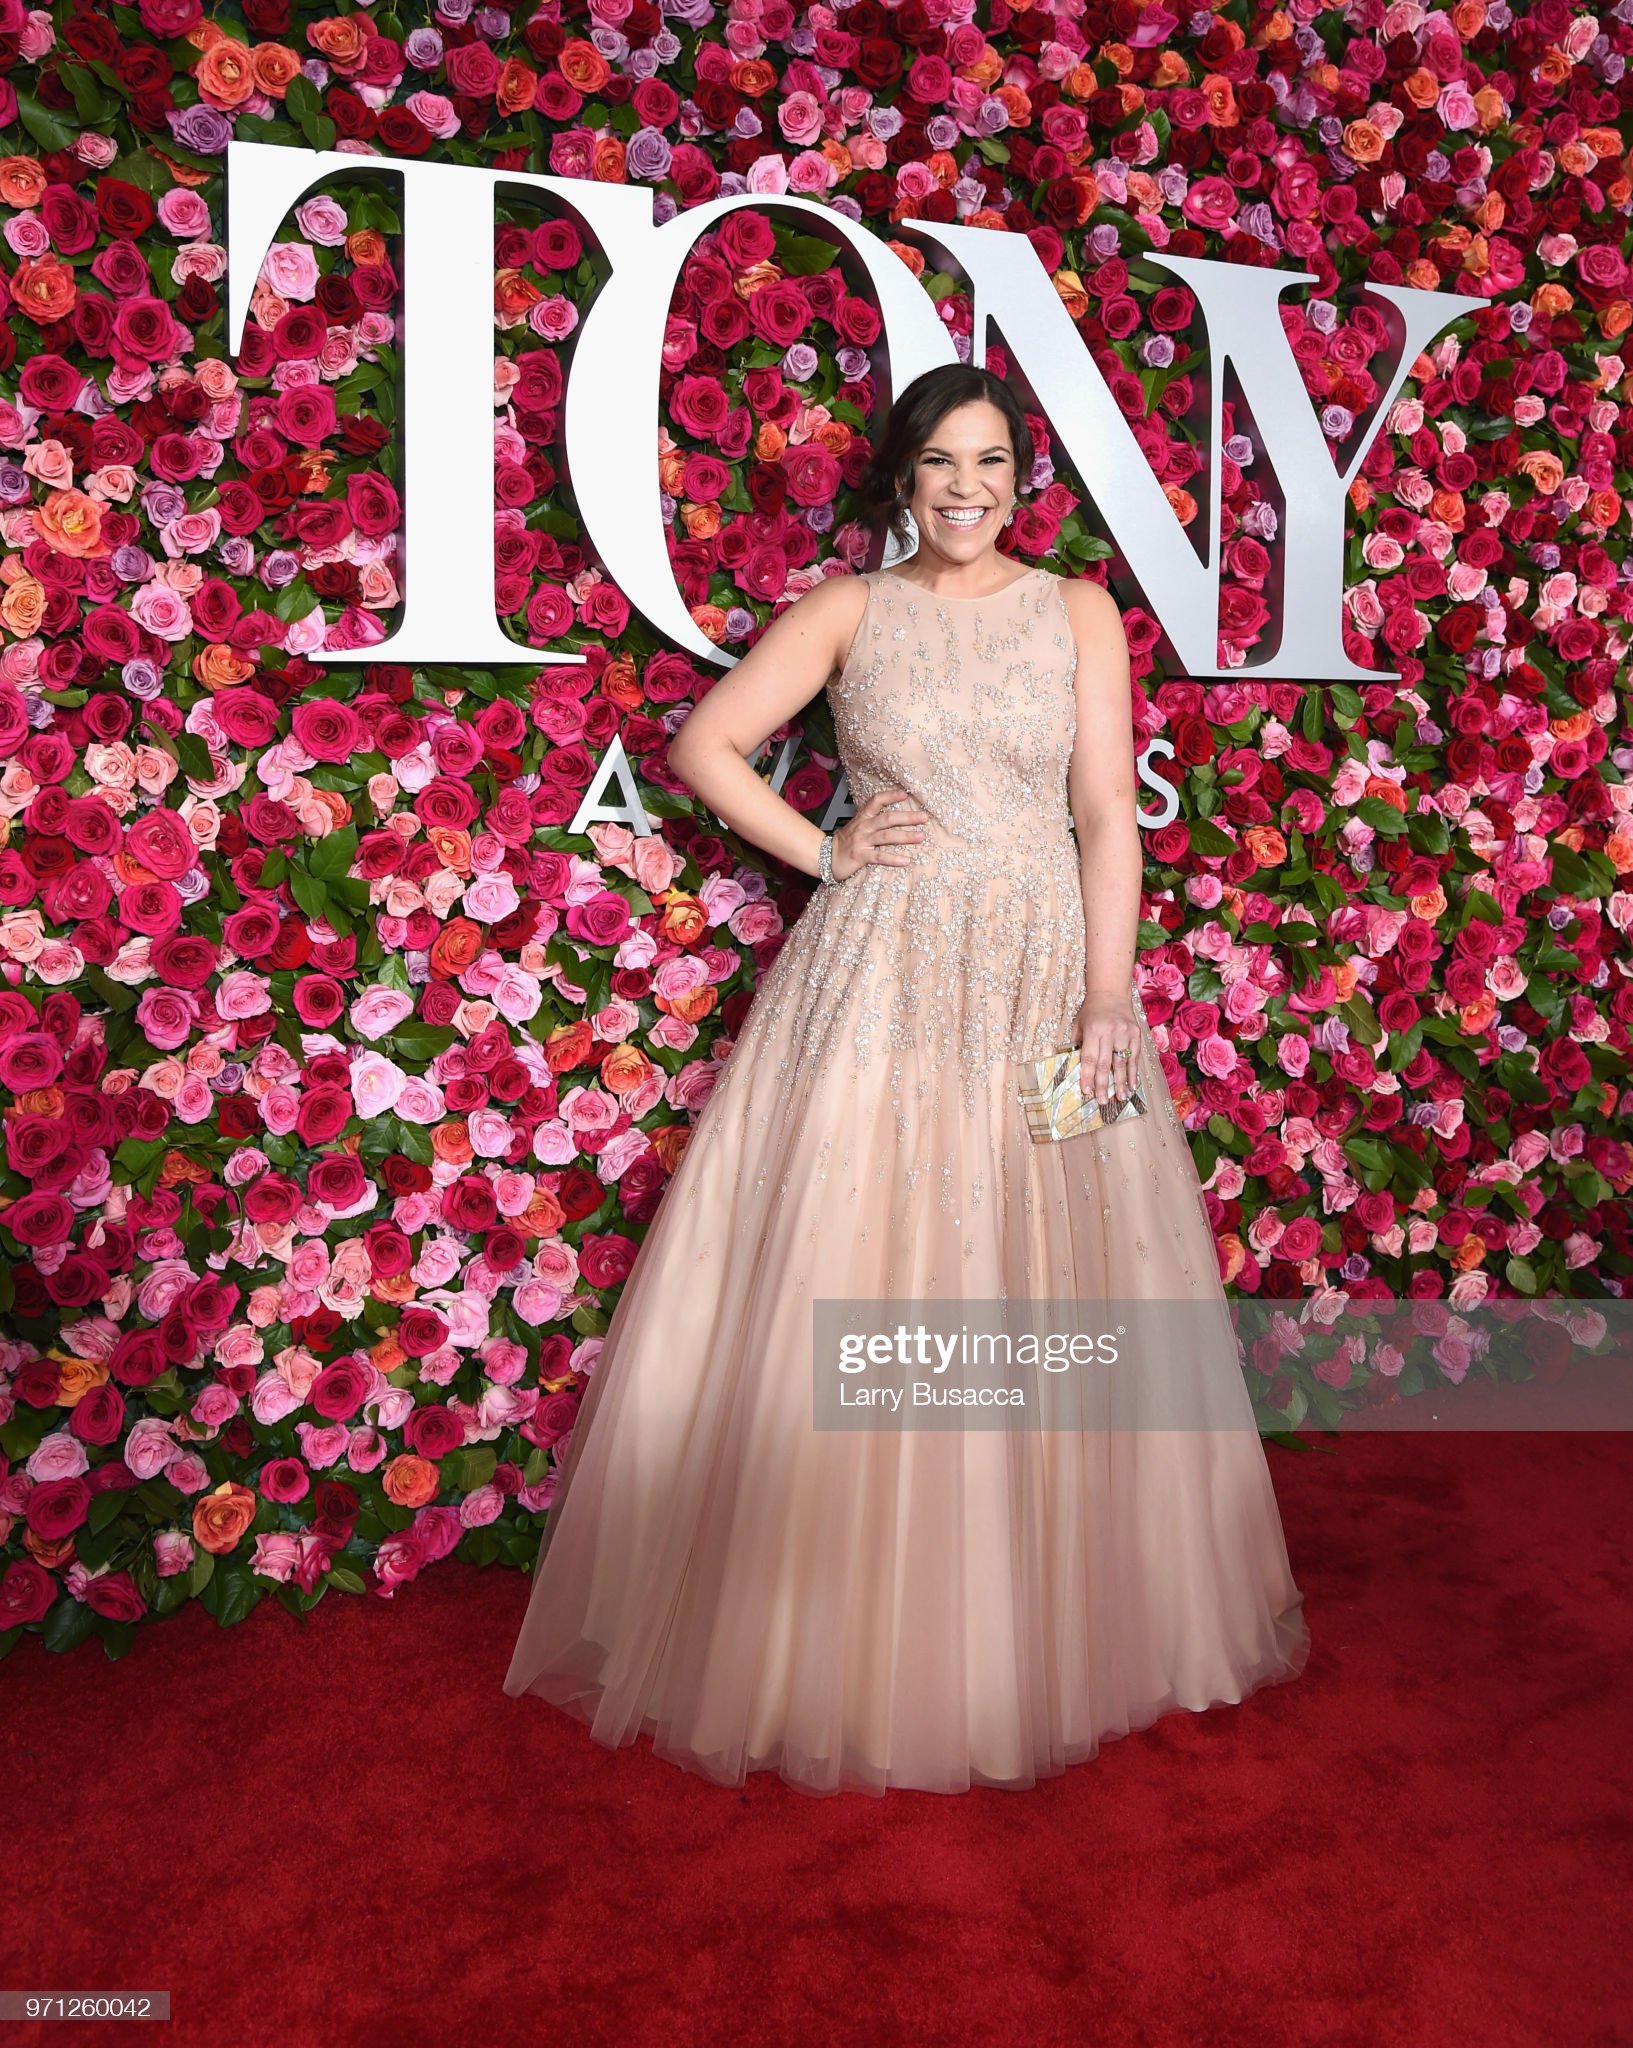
(965, 484)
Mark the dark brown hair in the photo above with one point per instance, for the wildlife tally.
(891, 475)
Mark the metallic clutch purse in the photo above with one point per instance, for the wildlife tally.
(1056, 1107)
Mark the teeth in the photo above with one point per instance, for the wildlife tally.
(973, 518)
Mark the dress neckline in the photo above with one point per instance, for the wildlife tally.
(943, 597)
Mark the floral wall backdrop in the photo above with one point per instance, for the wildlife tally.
(341, 1079)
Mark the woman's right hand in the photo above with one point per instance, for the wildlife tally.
(878, 834)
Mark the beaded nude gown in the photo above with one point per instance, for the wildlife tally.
(900, 1607)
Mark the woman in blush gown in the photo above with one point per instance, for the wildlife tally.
(934, 1608)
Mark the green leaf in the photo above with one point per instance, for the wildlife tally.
(309, 892)
(1362, 1019)
(113, 993)
(418, 1040)
(91, 103)
(1209, 839)
(194, 757)
(1381, 817)
(106, 1507)
(49, 130)
(136, 1155)
(68, 1623)
(231, 1593)
(334, 853)
(302, 99)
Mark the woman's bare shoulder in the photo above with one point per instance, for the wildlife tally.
(1090, 602)
(832, 610)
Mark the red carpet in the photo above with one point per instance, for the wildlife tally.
(346, 1834)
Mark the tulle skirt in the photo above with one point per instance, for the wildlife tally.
(887, 1607)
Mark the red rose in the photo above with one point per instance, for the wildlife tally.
(98, 1416)
(374, 504)
(55, 1508)
(434, 1430)
(124, 209)
(340, 1389)
(606, 1261)
(468, 1203)
(337, 1180)
(420, 1331)
(26, 1593)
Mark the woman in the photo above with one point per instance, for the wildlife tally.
(915, 1607)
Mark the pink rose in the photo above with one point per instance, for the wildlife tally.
(291, 270)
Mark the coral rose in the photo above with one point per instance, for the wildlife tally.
(221, 1518)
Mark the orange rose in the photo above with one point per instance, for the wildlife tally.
(669, 1142)
(217, 666)
(366, 245)
(340, 39)
(692, 1007)
(513, 296)
(76, 1377)
(607, 159)
(542, 1217)
(625, 1069)
(1475, 1018)
(1266, 845)
(22, 181)
(387, 1353)
(275, 66)
(221, 1518)
(620, 682)
(568, 1046)
(702, 522)
(44, 290)
(517, 82)
(583, 66)
(1544, 468)
(710, 621)
(683, 919)
(1386, 791)
(753, 275)
(330, 800)
(23, 606)
(455, 947)
(453, 846)
(71, 523)
(178, 1169)
(410, 1481)
(1363, 142)
(182, 174)
(451, 1143)
(753, 77)
(1069, 290)
(226, 73)
(1183, 503)
(1422, 87)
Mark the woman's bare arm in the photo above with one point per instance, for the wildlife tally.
(1101, 784)
(784, 669)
